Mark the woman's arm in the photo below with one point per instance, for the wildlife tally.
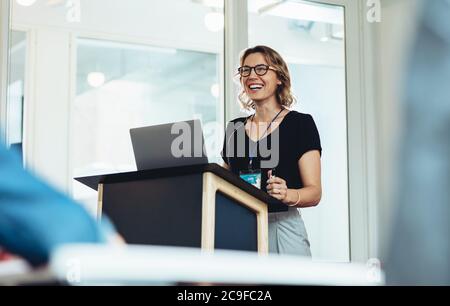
(310, 172)
(225, 165)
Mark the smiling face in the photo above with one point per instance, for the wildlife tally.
(260, 88)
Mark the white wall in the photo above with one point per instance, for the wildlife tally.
(393, 42)
(52, 104)
(323, 95)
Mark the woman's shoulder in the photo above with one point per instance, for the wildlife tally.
(297, 121)
(297, 116)
(238, 120)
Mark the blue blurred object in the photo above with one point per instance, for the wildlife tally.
(17, 148)
(420, 246)
(35, 219)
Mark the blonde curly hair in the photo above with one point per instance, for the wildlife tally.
(274, 59)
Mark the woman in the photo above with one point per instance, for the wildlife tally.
(295, 178)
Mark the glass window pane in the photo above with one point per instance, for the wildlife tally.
(122, 86)
(310, 37)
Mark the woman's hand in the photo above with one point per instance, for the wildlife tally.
(277, 188)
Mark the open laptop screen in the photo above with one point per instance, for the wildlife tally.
(169, 145)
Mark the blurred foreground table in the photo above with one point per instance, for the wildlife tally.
(149, 265)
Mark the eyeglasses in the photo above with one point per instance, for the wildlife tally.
(260, 70)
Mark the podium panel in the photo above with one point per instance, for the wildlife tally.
(160, 211)
(236, 226)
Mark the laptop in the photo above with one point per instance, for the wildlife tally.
(169, 145)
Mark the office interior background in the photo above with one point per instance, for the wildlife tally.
(81, 73)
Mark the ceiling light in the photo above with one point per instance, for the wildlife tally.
(299, 10)
(26, 2)
(270, 6)
(96, 79)
(214, 21)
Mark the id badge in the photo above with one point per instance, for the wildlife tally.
(252, 177)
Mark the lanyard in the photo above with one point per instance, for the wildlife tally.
(253, 152)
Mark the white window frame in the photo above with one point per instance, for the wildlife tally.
(4, 64)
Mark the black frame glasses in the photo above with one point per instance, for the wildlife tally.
(260, 70)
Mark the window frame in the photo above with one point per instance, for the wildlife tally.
(5, 13)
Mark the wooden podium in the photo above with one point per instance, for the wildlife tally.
(204, 206)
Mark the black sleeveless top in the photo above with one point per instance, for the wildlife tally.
(296, 135)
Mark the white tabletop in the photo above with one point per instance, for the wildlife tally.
(129, 265)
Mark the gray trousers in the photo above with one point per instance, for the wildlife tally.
(287, 234)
